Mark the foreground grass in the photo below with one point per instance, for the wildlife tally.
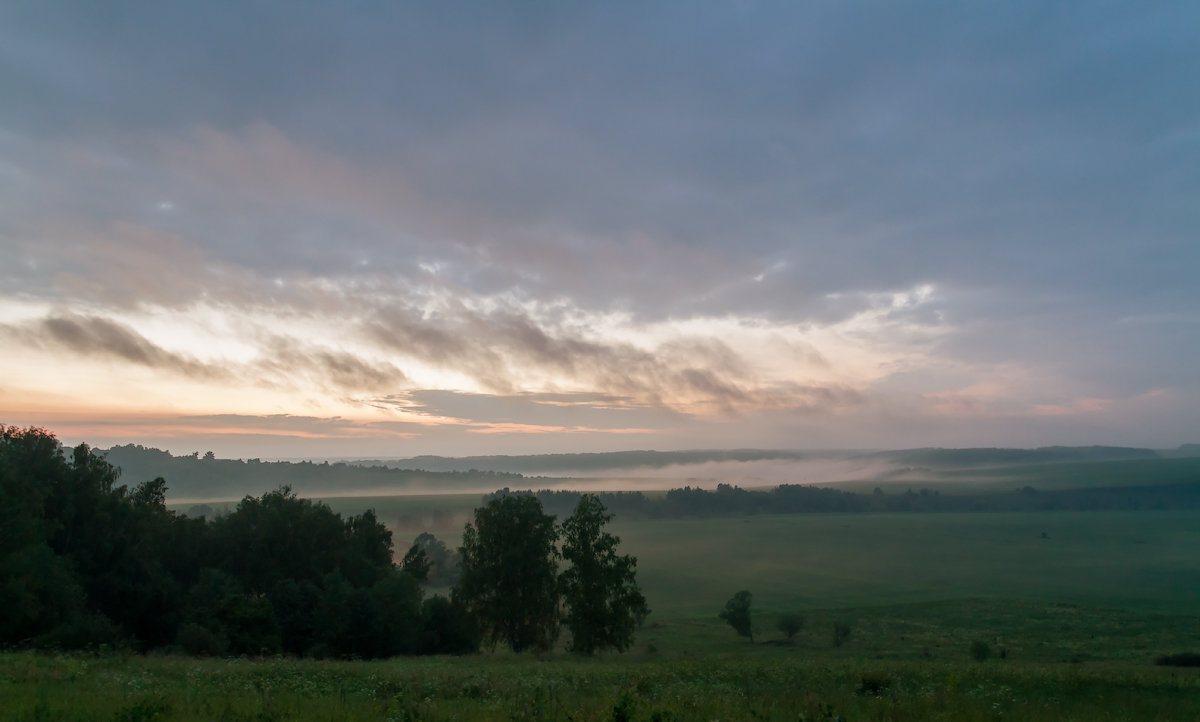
(501, 687)
(1081, 604)
(902, 662)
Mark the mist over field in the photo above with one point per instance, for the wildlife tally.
(196, 477)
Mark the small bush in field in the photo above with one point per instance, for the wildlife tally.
(623, 710)
(1183, 659)
(790, 623)
(872, 684)
(980, 650)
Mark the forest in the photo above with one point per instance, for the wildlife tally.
(88, 563)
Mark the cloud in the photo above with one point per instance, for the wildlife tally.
(279, 361)
(510, 352)
(1074, 407)
(335, 371)
(95, 336)
(748, 213)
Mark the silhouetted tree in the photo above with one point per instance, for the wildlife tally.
(447, 628)
(603, 601)
(509, 573)
(443, 562)
(416, 563)
(790, 623)
(737, 614)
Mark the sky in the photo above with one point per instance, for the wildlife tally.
(310, 229)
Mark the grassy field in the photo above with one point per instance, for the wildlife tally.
(1051, 586)
(1073, 608)
(1139, 560)
(767, 683)
(1144, 560)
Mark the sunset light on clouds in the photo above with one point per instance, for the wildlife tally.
(289, 230)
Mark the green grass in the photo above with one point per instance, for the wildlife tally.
(1140, 560)
(778, 684)
(1080, 615)
(1137, 560)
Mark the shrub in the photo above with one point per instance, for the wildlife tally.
(872, 684)
(623, 709)
(1182, 659)
(200, 641)
(980, 650)
(84, 631)
(790, 623)
(737, 614)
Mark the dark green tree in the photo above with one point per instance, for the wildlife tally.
(281, 536)
(416, 563)
(223, 618)
(398, 602)
(443, 562)
(38, 588)
(447, 628)
(737, 614)
(296, 605)
(980, 650)
(509, 579)
(790, 623)
(600, 590)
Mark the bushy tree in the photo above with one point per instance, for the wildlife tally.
(38, 589)
(82, 560)
(397, 601)
(980, 650)
(509, 581)
(443, 562)
(737, 614)
(85, 561)
(790, 623)
(447, 628)
(281, 536)
(600, 590)
(416, 563)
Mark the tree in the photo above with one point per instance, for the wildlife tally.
(446, 628)
(443, 562)
(281, 536)
(38, 588)
(416, 563)
(737, 614)
(790, 623)
(603, 601)
(509, 573)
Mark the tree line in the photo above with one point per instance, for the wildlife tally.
(86, 562)
(730, 500)
(206, 476)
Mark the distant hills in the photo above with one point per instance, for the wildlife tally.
(931, 457)
(957, 458)
(604, 461)
(205, 477)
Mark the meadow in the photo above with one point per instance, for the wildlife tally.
(1147, 561)
(985, 616)
(769, 683)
